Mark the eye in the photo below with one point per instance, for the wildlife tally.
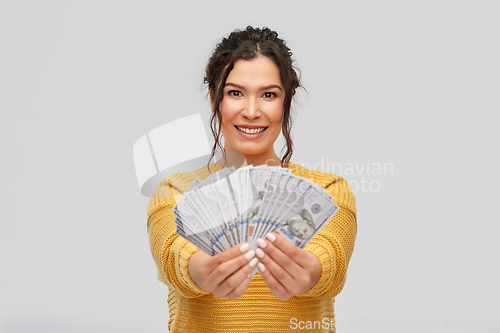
(269, 95)
(234, 93)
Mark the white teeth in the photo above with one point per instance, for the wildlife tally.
(251, 131)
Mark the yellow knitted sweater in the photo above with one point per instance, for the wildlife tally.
(194, 310)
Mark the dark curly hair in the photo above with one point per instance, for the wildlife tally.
(248, 44)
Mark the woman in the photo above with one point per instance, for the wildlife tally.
(251, 83)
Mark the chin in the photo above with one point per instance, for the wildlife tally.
(253, 150)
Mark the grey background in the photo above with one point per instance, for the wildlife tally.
(409, 84)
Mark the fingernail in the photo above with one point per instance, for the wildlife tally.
(261, 242)
(271, 237)
(259, 253)
(250, 254)
(253, 262)
(261, 266)
(244, 247)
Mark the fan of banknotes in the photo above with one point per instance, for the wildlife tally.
(233, 206)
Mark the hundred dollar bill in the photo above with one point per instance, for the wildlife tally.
(259, 178)
(270, 197)
(272, 200)
(208, 202)
(306, 216)
(189, 226)
(289, 189)
(239, 187)
(194, 200)
(228, 207)
(280, 198)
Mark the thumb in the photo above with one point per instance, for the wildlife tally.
(233, 252)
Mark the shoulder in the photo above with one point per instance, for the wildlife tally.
(335, 185)
(319, 177)
(181, 181)
(169, 190)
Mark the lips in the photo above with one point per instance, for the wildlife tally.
(253, 130)
(251, 126)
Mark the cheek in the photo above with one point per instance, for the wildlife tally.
(225, 112)
(231, 104)
(275, 115)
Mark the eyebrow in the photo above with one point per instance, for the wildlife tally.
(261, 88)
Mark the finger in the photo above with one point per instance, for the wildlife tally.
(232, 281)
(224, 270)
(281, 258)
(277, 289)
(240, 289)
(239, 282)
(276, 270)
(227, 255)
(291, 250)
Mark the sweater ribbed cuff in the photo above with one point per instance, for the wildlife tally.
(185, 253)
(327, 269)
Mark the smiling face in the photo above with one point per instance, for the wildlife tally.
(253, 87)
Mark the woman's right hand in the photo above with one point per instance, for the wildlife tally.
(226, 274)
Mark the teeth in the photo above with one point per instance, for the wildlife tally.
(251, 131)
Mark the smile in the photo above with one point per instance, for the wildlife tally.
(251, 131)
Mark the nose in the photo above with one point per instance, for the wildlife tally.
(251, 109)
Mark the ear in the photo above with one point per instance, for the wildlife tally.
(211, 93)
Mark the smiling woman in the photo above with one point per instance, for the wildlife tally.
(251, 82)
(252, 110)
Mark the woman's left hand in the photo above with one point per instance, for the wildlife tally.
(287, 269)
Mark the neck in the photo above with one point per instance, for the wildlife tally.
(239, 160)
(253, 160)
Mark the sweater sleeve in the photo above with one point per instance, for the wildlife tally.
(170, 251)
(334, 244)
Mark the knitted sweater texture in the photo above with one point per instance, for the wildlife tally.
(192, 309)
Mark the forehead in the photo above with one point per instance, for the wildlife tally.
(259, 71)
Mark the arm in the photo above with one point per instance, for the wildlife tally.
(334, 244)
(170, 251)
